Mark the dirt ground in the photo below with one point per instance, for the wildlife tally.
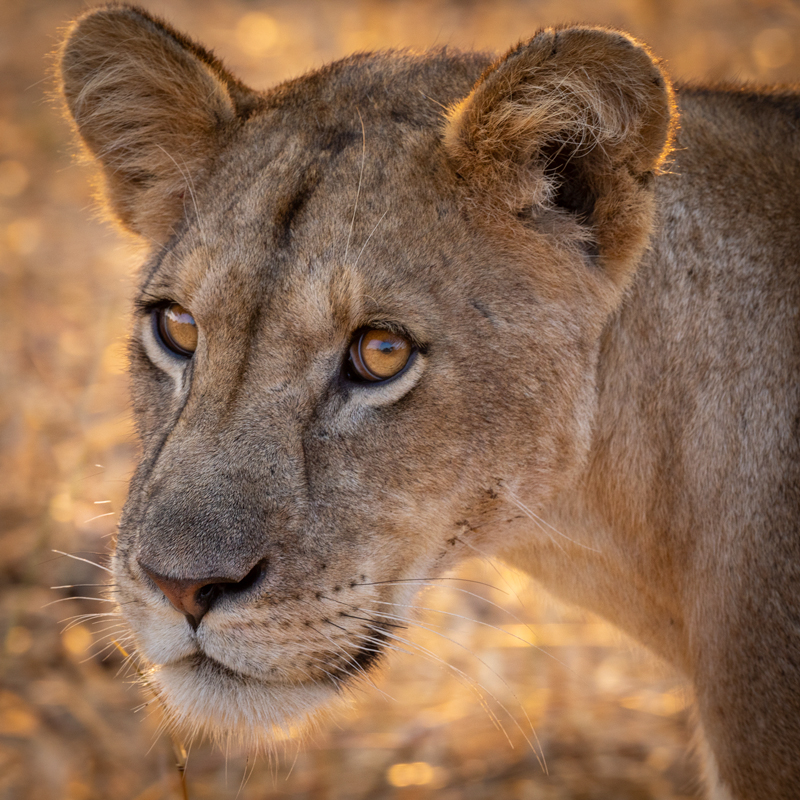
(577, 713)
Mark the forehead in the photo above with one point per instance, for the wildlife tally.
(330, 195)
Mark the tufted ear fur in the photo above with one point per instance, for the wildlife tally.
(152, 107)
(573, 122)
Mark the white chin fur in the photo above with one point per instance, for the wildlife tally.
(205, 699)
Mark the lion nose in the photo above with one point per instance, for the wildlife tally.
(194, 597)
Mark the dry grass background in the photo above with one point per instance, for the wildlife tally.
(611, 722)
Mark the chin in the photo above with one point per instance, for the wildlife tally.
(203, 697)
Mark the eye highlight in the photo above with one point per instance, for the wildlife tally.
(377, 355)
(176, 329)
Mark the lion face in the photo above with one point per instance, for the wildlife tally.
(365, 333)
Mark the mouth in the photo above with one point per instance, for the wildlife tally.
(201, 694)
(337, 667)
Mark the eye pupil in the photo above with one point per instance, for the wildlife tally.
(177, 329)
(377, 355)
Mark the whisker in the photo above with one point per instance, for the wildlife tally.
(245, 777)
(96, 654)
(470, 682)
(382, 645)
(541, 522)
(398, 581)
(185, 174)
(78, 618)
(365, 619)
(360, 178)
(538, 753)
(364, 246)
(294, 763)
(104, 652)
(74, 622)
(100, 516)
(513, 616)
(410, 622)
(364, 674)
(422, 626)
(67, 599)
(453, 614)
(85, 560)
(490, 560)
(84, 586)
(451, 588)
(107, 631)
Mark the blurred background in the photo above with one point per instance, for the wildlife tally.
(475, 711)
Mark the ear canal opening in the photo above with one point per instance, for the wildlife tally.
(571, 189)
(566, 171)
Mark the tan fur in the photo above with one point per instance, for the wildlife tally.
(603, 342)
(151, 159)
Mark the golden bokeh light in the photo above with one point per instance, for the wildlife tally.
(257, 34)
(77, 640)
(115, 358)
(18, 640)
(14, 178)
(417, 773)
(23, 235)
(773, 48)
(17, 718)
(61, 507)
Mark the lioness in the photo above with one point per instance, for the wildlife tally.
(373, 335)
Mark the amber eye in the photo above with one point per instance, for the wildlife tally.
(176, 329)
(376, 355)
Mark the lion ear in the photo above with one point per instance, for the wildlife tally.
(151, 107)
(574, 121)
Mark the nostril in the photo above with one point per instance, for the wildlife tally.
(206, 595)
(207, 592)
(194, 598)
